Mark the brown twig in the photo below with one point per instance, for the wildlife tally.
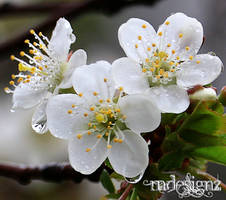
(126, 192)
(49, 173)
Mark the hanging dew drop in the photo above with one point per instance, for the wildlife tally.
(12, 110)
(72, 37)
(135, 179)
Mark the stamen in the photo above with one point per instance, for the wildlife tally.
(88, 149)
(79, 136)
(69, 111)
(167, 23)
(144, 26)
(180, 35)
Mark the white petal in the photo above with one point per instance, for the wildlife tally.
(25, 96)
(90, 78)
(39, 118)
(203, 73)
(62, 124)
(77, 59)
(169, 99)
(205, 94)
(61, 40)
(192, 37)
(128, 74)
(128, 37)
(129, 158)
(87, 162)
(141, 114)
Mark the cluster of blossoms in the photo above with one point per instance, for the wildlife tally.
(112, 104)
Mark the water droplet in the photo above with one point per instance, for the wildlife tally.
(72, 37)
(12, 110)
(135, 179)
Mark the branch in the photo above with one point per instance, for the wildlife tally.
(49, 173)
(126, 192)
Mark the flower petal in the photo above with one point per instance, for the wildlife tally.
(192, 73)
(61, 40)
(77, 59)
(135, 36)
(39, 118)
(63, 120)
(87, 162)
(91, 78)
(169, 99)
(141, 114)
(25, 96)
(191, 36)
(128, 74)
(129, 158)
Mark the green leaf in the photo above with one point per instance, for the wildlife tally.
(117, 176)
(106, 182)
(113, 196)
(213, 153)
(171, 161)
(134, 195)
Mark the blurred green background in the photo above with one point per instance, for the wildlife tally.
(96, 32)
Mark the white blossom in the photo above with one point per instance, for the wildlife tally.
(164, 64)
(99, 124)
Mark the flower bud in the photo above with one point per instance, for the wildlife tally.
(204, 94)
(222, 96)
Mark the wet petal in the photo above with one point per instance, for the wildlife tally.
(135, 37)
(91, 78)
(128, 74)
(142, 115)
(39, 118)
(61, 40)
(77, 59)
(203, 69)
(25, 96)
(129, 158)
(65, 115)
(83, 161)
(181, 32)
(169, 99)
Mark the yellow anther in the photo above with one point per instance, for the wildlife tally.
(26, 41)
(88, 149)
(144, 26)
(27, 81)
(147, 60)
(85, 114)
(92, 108)
(33, 69)
(108, 127)
(20, 80)
(109, 111)
(35, 43)
(157, 61)
(79, 136)
(158, 76)
(187, 48)
(105, 80)
(154, 45)
(108, 100)
(124, 117)
(167, 23)
(31, 51)
(6, 89)
(109, 146)
(144, 70)
(80, 94)
(120, 140)
(69, 111)
(22, 53)
(115, 139)
(89, 132)
(149, 49)
(136, 46)
(99, 136)
(94, 127)
(95, 93)
(117, 110)
(162, 54)
(40, 34)
(28, 76)
(11, 82)
(152, 69)
(106, 134)
(12, 57)
(157, 66)
(172, 70)
(100, 117)
(32, 31)
(160, 34)
(41, 46)
(139, 37)
(121, 89)
(173, 51)
(46, 66)
(161, 71)
(190, 57)
(155, 54)
(40, 68)
(13, 76)
(111, 115)
(198, 61)
(166, 75)
(101, 100)
(168, 45)
(177, 64)
(73, 105)
(89, 124)
(171, 63)
(180, 35)
(178, 58)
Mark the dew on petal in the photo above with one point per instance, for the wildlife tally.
(136, 179)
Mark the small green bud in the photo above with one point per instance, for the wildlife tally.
(204, 94)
